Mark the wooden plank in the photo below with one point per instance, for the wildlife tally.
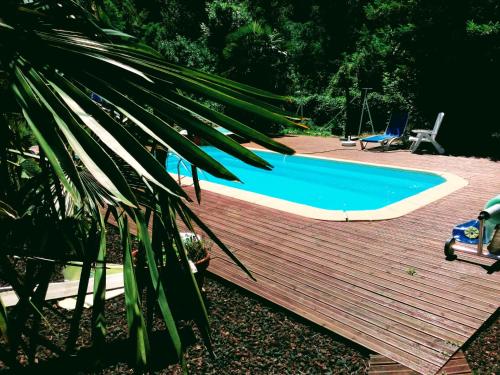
(349, 287)
(483, 294)
(381, 365)
(480, 300)
(377, 359)
(355, 296)
(391, 290)
(335, 236)
(339, 235)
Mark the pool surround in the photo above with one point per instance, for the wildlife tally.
(452, 183)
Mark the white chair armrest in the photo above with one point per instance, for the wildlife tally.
(422, 131)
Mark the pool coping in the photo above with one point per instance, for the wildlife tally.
(451, 184)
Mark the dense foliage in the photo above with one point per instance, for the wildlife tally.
(419, 55)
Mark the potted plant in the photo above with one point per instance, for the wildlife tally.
(198, 255)
(198, 252)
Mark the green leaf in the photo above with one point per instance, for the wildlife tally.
(251, 90)
(183, 78)
(7, 211)
(135, 318)
(171, 113)
(77, 313)
(50, 142)
(215, 92)
(160, 62)
(115, 136)
(141, 56)
(233, 92)
(196, 183)
(3, 321)
(99, 63)
(227, 122)
(5, 26)
(229, 98)
(153, 125)
(98, 317)
(133, 44)
(199, 311)
(159, 287)
(92, 155)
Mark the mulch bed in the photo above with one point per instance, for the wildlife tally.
(255, 338)
(483, 350)
(250, 336)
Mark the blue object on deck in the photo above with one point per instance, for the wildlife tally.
(395, 130)
(467, 232)
(322, 183)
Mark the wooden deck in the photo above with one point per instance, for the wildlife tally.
(384, 285)
(380, 365)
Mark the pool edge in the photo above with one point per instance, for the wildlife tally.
(405, 206)
(451, 184)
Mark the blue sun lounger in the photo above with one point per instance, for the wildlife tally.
(394, 131)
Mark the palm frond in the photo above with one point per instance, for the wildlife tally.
(110, 155)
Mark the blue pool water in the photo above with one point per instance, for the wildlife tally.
(320, 183)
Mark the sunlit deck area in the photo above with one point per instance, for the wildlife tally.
(383, 284)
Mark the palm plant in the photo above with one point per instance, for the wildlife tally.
(98, 161)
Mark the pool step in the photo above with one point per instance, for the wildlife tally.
(381, 365)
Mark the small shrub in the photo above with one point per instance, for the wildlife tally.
(196, 248)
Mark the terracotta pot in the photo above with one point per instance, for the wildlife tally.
(201, 267)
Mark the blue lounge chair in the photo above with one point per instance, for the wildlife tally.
(394, 131)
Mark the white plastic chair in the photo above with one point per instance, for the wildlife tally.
(424, 135)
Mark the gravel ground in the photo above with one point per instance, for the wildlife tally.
(252, 337)
(249, 335)
(483, 350)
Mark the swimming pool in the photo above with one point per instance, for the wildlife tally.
(324, 188)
